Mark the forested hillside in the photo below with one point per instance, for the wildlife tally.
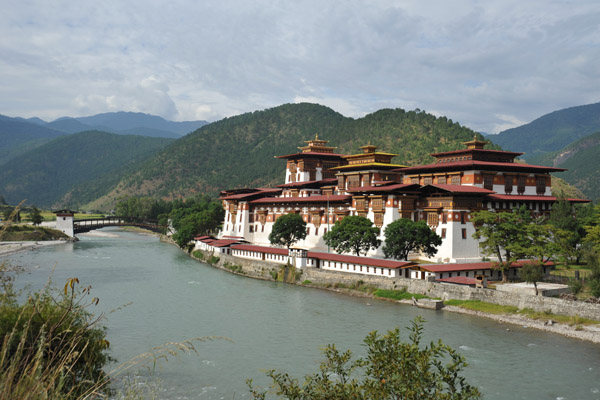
(239, 151)
(44, 175)
(551, 132)
(18, 136)
(581, 160)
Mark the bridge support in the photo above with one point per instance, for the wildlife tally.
(64, 222)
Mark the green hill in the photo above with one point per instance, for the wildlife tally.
(239, 151)
(18, 136)
(44, 175)
(581, 160)
(551, 132)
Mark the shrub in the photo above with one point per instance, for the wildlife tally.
(52, 347)
(575, 285)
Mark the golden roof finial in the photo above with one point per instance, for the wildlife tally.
(316, 136)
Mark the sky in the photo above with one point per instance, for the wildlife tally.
(489, 65)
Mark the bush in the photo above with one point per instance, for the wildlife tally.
(52, 347)
(393, 369)
(401, 294)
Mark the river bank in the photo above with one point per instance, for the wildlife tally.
(589, 333)
(8, 248)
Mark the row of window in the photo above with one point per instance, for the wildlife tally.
(340, 266)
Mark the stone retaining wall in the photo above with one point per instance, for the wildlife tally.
(265, 270)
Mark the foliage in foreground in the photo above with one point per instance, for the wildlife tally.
(393, 369)
(52, 347)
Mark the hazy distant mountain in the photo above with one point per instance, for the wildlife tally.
(91, 163)
(68, 125)
(18, 136)
(551, 132)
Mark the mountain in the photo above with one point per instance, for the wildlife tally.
(239, 151)
(46, 174)
(126, 123)
(18, 136)
(581, 161)
(551, 132)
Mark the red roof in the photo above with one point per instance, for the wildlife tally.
(322, 182)
(311, 153)
(518, 197)
(260, 249)
(482, 151)
(470, 266)
(372, 262)
(223, 242)
(461, 189)
(203, 237)
(475, 164)
(459, 280)
(338, 198)
(386, 188)
(258, 192)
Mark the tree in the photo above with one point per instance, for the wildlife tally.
(392, 369)
(287, 230)
(193, 218)
(353, 233)
(503, 234)
(531, 272)
(35, 216)
(567, 231)
(404, 235)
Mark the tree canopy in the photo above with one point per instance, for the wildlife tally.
(353, 234)
(509, 235)
(405, 235)
(392, 369)
(287, 230)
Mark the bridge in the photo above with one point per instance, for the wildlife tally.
(66, 223)
(86, 225)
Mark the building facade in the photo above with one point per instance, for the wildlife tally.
(324, 187)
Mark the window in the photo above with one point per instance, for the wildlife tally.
(414, 180)
(443, 233)
(521, 184)
(464, 233)
(251, 228)
(508, 184)
(456, 180)
(308, 231)
(441, 180)
(463, 217)
(444, 218)
(316, 231)
(488, 182)
(541, 185)
(428, 180)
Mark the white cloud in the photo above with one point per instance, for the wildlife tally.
(206, 60)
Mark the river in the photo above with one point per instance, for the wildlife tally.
(273, 325)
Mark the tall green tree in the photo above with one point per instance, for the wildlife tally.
(353, 234)
(392, 369)
(504, 235)
(35, 216)
(405, 235)
(287, 230)
(567, 231)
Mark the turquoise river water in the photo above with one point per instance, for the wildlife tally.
(277, 326)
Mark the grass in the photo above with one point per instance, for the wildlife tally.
(401, 294)
(16, 233)
(477, 305)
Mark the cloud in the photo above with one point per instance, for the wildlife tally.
(189, 60)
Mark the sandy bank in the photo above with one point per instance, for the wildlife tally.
(7, 248)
